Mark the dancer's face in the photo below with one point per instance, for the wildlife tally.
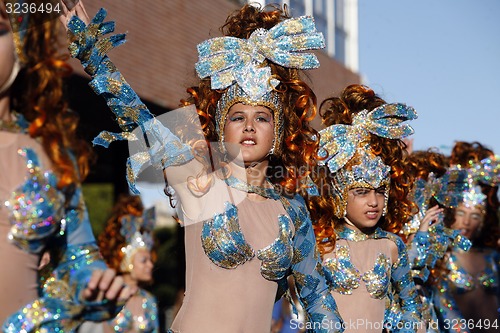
(142, 270)
(249, 129)
(468, 220)
(7, 55)
(365, 206)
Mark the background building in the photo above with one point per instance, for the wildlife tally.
(158, 62)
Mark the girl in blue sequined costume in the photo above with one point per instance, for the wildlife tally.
(42, 209)
(467, 296)
(236, 173)
(127, 246)
(362, 195)
(436, 187)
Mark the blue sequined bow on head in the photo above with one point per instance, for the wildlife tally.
(345, 149)
(240, 64)
(229, 59)
(447, 190)
(338, 143)
(485, 172)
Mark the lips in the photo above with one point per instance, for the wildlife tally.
(248, 142)
(373, 214)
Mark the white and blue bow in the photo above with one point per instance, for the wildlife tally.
(338, 143)
(229, 59)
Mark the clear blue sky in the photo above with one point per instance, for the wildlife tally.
(443, 58)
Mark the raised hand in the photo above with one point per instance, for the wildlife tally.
(431, 215)
(72, 8)
(106, 285)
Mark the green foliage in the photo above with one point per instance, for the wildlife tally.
(99, 198)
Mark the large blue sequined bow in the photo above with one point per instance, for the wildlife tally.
(230, 59)
(338, 143)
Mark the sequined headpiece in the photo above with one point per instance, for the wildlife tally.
(486, 172)
(242, 65)
(447, 190)
(345, 149)
(137, 233)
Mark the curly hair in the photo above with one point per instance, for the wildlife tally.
(111, 240)
(465, 153)
(341, 110)
(422, 162)
(298, 100)
(37, 94)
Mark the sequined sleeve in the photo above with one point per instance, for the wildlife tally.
(162, 148)
(417, 255)
(149, 323)
(408, 318)
(309, 274)
(428, 247)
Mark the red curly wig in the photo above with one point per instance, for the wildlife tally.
(422, 163)
(37, 94)
(341, 110)
(300, 144)
(111, 241)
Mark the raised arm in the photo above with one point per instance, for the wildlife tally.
(159, 146)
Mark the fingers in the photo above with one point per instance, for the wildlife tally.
(431, 215)
(72, 8)
(106, 285)
(115, 288)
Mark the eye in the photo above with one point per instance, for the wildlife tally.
(459, 213)
(236, 118)
(476, 217)
(360, 191)
(263, 118)
(381, 190)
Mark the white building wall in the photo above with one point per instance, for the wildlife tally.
(350, 26)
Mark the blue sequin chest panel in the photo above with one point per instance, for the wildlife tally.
(347, 277)
(463, 281)
(225, 245)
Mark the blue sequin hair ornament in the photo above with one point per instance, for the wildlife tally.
(485, 172)
(241, 66)
(19, 25)
(447, 190)
(345, 150)
(137, 233)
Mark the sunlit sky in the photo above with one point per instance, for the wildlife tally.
(443, 58)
